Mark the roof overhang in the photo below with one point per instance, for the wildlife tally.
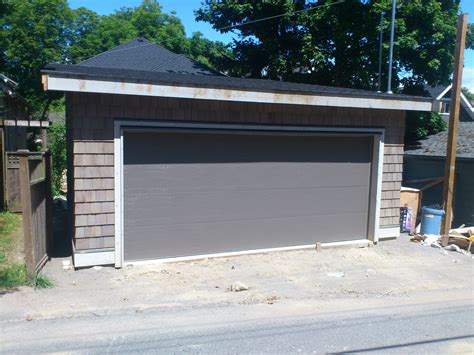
(90, 85)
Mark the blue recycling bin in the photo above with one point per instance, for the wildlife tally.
(431, 219)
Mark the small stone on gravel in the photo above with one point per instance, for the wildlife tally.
(238, 286)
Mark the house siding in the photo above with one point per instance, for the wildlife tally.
(91, 147)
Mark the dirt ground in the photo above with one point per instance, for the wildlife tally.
(396, 269)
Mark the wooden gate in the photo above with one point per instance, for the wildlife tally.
(36, 203)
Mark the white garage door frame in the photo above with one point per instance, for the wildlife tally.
(375, 179)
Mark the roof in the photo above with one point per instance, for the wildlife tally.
(435, 91)
(440, 93)
(55, 117)
(144, 68)
(435, 145)
(7, 85)
(141, 54)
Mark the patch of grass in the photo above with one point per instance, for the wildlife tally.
(9, 222)
(15, 275)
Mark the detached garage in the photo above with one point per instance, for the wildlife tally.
(169, 160)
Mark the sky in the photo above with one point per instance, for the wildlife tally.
(185, 11)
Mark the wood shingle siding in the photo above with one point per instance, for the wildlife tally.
(91, 133)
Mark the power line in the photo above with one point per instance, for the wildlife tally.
(281, 15)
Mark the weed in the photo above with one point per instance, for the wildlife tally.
(41, 281)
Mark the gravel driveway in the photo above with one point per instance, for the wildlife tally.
(397, 269)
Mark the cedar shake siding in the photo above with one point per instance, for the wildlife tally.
(91, 148)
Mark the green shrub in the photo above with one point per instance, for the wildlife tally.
(57, 145)
(422, 124)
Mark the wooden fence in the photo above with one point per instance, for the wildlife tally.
(36, 207)
(13, 196)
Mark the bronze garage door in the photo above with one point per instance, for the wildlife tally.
(192, 193)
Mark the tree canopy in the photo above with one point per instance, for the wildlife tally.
(338, 44)
(33, 33)
(36, 32)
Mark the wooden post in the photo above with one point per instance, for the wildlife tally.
(450, 164)
(49, 203)
(26, 212)
(44, 138)
(3, 172)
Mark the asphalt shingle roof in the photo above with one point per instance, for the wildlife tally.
(141, 54)
(435, 91)
(143, 61)
(435, 145)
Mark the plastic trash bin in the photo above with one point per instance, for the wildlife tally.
(431, 219)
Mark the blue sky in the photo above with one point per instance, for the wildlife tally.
(185, 11)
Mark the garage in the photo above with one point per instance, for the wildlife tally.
(170, 160)
(193, 193)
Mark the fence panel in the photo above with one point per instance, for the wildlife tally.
(13, 182)
(36, 202)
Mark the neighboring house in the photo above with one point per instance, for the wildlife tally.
(442, 94)
(169, 160)
(12, 107)
(56, 117)
(426, 159)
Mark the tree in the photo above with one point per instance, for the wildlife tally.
(338, 44)
(213, 54)
(57, 145)
(468, 93)
(32, 34)
(82, 44)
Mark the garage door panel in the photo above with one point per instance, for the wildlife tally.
(199, 193)
(205, 148)
(207, 205)
(211, 238)
(249, 176)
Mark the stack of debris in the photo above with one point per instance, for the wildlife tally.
(458, 239)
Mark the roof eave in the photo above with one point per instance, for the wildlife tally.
(60, 81)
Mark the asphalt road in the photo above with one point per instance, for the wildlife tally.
(281, 328)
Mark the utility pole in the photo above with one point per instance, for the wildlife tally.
(455, 104)
(390, 55)
(379, 86)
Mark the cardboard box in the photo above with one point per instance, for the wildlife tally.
(411, 198)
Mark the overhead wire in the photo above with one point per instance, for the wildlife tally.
(280, 15)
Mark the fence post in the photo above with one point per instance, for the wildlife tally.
(49, 203)
(26, 212)
(3, 172)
